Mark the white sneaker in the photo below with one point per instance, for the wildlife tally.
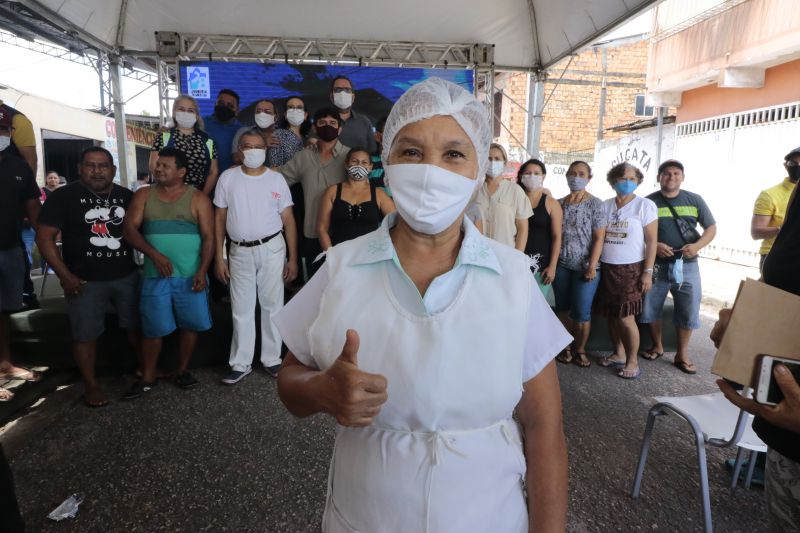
(235, 376)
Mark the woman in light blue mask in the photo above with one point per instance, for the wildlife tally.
(422, 339)
(629, 253)
(578, 271)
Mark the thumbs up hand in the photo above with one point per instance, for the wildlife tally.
(353, 397)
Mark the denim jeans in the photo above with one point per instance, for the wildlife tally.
(686, 296)
(574, 294)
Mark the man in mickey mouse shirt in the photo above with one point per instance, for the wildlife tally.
(97, 268)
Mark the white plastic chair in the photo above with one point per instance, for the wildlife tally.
(715, 422)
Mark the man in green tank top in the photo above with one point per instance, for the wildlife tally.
(172, 224)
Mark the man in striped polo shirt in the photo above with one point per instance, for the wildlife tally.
(172, 224)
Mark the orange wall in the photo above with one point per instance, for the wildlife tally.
(781, 85)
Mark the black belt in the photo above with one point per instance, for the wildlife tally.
(250, 244)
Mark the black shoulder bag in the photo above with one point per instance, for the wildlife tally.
(687, 232)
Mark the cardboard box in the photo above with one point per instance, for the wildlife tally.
(764, 320)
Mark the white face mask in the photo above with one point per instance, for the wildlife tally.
(264, 120)
(496, 168)
(429, 198)
(532, 181)
(5, 142)
(295, 116)
(254, 157)
(343, 100)
(185, 119)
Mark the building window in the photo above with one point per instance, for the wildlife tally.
(641, 110)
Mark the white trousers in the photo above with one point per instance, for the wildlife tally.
(256, 272)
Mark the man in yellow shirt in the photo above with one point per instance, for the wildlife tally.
(22, 137)
(770, 207)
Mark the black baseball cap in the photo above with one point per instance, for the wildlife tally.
(791, 154)
(670, 163)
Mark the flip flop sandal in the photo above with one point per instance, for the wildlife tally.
(685, 367)
(565, 357)
(27, 375)
(582, 362)
(635, 375)
(651, 356)
(608, 363)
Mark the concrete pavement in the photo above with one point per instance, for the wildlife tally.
(223, 458)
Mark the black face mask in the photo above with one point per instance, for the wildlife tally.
(794, 173)
(224, 113)
(327, 133)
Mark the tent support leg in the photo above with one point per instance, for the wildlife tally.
(119, 119)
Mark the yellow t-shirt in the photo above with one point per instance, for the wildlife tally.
(22, 135)
(772, 202)
(23, 131)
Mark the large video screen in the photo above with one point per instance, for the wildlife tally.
(376, 88)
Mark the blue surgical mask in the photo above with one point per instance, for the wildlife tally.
(577, 184)
(677, 271)
(624, 188)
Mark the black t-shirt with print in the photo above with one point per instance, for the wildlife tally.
(782, 270)
(91, 230)
(17, 186)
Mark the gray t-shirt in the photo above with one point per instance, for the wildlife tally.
(690, 207)
(580, 220)
(357, 133)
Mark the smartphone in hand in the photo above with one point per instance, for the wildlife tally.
(767, 390)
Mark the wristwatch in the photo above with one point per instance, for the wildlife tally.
(648, 270)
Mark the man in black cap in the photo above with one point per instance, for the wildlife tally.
(676, 269)
(770, 207)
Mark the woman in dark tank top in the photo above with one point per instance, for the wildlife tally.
(354, 207)
(544, 226)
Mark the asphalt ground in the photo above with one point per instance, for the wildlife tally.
(220, 458)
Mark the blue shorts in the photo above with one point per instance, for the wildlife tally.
(574, 294)
(686, 296)
(170, 303)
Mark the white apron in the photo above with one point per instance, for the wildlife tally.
(443, 455)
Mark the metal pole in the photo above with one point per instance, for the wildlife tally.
(490, 98)
(119, 120)
(99, 69)
(163, 92)
(603, 96)
(536, 106)
(659, 133)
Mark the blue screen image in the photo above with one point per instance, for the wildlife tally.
(376, 88)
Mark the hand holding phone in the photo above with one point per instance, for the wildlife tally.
(767, 390)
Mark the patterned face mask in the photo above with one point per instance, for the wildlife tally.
(358, 173)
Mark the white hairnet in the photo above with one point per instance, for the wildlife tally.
(434, 97)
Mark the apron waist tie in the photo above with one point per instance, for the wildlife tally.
(438, 439)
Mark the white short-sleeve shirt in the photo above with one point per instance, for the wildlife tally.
(254, 203)
(624, 243)
(546, 337)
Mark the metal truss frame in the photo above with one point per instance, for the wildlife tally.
(192, 46)
(89, 59)
(173, 47)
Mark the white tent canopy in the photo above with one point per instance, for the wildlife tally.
(527, 34)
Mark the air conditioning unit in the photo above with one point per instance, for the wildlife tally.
(642, 110)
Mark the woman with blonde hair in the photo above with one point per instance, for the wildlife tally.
(187, 135)
(504, 206)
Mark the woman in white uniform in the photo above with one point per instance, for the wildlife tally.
(422, 338)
